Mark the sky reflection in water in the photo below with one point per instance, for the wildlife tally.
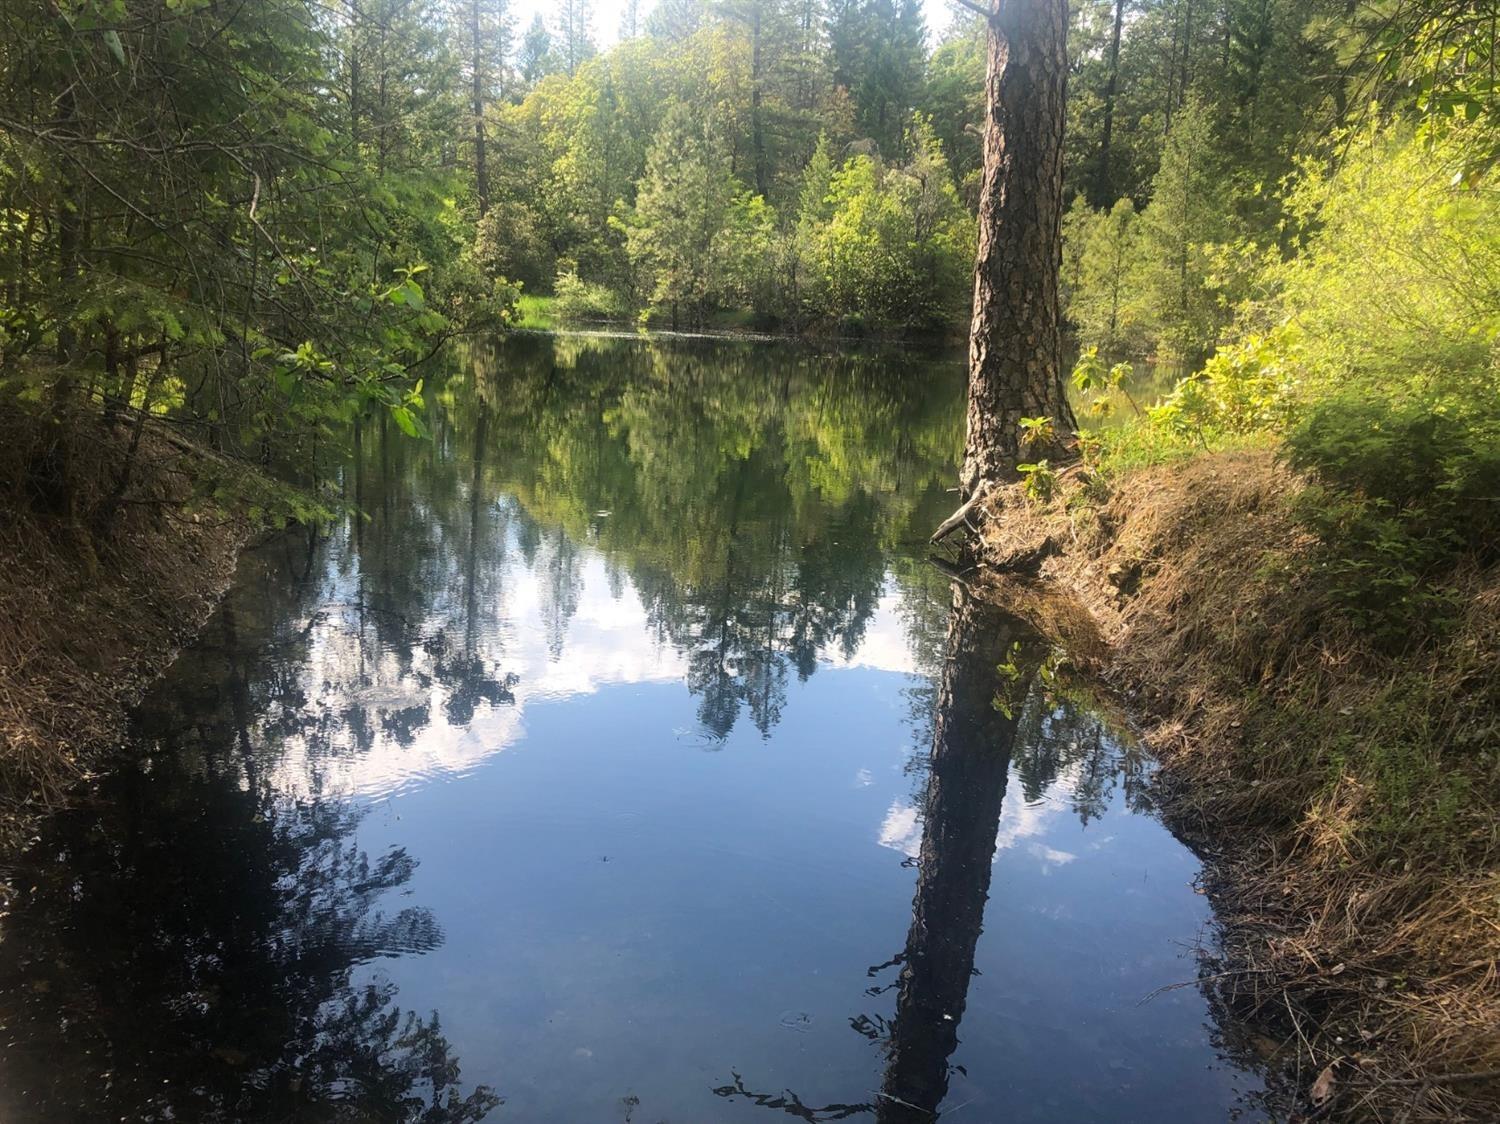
(628, 762)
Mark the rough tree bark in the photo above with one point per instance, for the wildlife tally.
(1015, 367)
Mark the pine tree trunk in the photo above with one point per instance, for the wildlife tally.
(1171, 78)
(481, 171)
(1015, 366)
(757, 125)
(1105, 190)
(1186, 77)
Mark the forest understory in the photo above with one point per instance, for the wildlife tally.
(1337, 789)
(101, 588)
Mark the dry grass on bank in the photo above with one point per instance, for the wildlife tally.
(1346, 798)
(93, 610)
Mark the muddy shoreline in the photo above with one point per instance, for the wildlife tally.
(96, 611)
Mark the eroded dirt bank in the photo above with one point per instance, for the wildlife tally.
(1344, 796)
(99, 589)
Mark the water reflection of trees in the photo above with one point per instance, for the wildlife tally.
(188, 946)
(998, 712)
(989, 664)
(753, 503)
(753, 500)
(1064, 737)
(190, 942)
(197, 942)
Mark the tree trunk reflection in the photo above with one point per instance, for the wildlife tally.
(990, 662)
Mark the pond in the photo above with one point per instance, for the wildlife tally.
(627, 760)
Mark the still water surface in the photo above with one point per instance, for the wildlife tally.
(627, 762)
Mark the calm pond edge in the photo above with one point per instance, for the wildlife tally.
(1374, 981)
(97, 608)
(1360, 951)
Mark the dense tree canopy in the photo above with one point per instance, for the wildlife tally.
(256, 218)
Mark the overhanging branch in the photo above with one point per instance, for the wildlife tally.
(977, 9)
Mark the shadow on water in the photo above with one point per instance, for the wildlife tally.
(616, 556)
(184, 944)
(995, 720)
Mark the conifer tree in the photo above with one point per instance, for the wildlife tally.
(681, 209)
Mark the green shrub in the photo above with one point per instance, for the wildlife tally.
(576, 300)
(891, 246)
(1101, 278)
(1038, 480)
(1431, 459)
(1401, 490)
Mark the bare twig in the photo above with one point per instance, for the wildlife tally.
(959, 517)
